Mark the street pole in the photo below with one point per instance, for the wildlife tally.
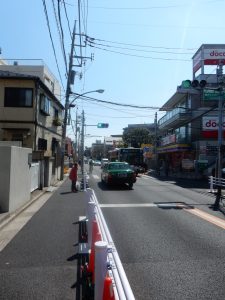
(76, 135)
(82, 153)
(63, 141)
(220, 133)
(156, 139)
(82, 144)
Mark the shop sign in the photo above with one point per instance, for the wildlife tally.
(169, 139)
(210, 56)
(187, 164)
(203, 161)
(212, 95)
(211, 123)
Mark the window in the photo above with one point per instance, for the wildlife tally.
(56, 113)
(45, 105)
(42, 144)
(18, 97)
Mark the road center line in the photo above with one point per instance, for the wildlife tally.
(205, 216)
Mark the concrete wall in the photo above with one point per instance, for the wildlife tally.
(15, 178)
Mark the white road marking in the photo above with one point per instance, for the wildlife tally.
(129, 205)
(96, 177)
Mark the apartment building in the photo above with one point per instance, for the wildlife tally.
(31, 114)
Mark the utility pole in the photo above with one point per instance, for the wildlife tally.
(82, 143)
(220, 132)
(156, 139)
(63, 142)
(76, 137)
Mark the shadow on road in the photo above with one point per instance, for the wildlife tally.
(113, 187)
(81, 284)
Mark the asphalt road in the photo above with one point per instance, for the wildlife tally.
(41, 261)
(171, 243)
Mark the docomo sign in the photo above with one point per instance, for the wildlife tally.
(208, 56)
(211, 123)
(213, 57)
(216, 53)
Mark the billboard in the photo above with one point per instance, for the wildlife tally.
(211, 123)
(208, 55)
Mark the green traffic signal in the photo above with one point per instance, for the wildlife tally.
(102, 125)
(186, 84)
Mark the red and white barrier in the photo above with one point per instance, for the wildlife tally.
(108, 292)
(100, 268)
(104, 256)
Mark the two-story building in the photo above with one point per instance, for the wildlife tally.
(189, 129)
(31, 114)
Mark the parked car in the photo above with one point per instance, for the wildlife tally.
(118, 173)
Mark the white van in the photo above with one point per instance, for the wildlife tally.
(104, 161)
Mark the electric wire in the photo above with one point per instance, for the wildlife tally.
(138, 45)
(141, 56)
(62, 36)
(79, 22)
(139, 8)
(53, 46)
(68, 23)
(91, 42)
(116, 103)
(58, 28)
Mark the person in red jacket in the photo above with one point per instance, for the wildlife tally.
(73, 177)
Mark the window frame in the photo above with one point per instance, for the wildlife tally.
(45, 105)
(9, 99)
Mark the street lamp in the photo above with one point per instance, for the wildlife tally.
(80, 95)
(69, 104)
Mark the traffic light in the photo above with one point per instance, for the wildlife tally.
(102, 125)
(186, 84)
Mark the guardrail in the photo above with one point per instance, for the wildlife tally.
(217, 182)
(121, 286)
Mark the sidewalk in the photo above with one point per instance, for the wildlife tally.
(42, 259)
(7, 217)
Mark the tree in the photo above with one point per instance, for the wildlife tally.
(134, 137)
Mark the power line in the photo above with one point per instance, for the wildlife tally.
(138, 45)
(68, 23)
(139, 8)
(53, 46)
(92, 43)
(140, 56)
(59, 32)
(62, 36)
(118, 104)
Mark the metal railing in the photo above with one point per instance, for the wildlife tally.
(121, 286)
(216, 182)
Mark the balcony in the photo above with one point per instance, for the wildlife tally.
(174, 118)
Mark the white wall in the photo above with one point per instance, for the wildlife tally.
(15, 178)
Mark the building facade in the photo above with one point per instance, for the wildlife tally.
(189, 130)
(31, 114)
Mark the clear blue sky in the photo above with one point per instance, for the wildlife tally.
(146, 50)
